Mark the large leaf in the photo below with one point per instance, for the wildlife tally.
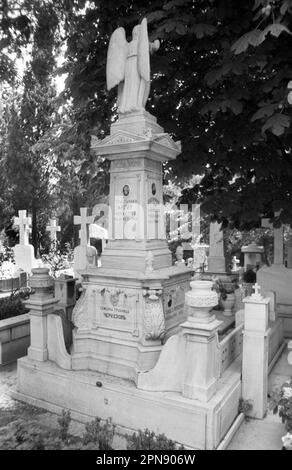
(277, 124)
(202, 30)
(253, 38)
(275, 29)
(265, 111)
(215, 106)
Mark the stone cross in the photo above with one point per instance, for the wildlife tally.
(235, 262)
(278, 241)
(53, 228)
(23, 222)
(257, 289)
(84, 220)
(257, 292)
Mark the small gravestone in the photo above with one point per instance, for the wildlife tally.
(53, 228)
(252, 255)
(216, 259)
(24, 252)
(84, 254)
(278, 241)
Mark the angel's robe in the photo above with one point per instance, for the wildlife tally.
(134, 90)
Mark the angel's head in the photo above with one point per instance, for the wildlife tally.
(135, 32)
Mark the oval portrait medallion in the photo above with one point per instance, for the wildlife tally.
(126, 190)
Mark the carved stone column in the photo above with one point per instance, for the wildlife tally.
(200, 333)
(40, 304)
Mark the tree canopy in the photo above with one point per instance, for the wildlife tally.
(220, 82)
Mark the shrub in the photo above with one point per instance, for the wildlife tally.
(148, 440)
(64, 422)
(281, 403)
(57, 261)
(10, 307)
(249, 276)
(245, 406)
(99, 434)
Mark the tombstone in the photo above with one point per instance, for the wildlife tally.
(288, 249)
(199, 257)
(53, 228)
(84, 254)
(252, 255)
(101, 233)
(278, 241)
(180, 262)
(216, 259)
(187, 250)
(235, 264)
(278, 278)
(24, 252)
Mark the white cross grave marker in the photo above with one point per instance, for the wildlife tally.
(23, 222)
(257, 292)
(278, 240)
(84, 220)
(53, 228)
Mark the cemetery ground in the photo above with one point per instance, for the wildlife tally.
(23, 426)
(253, 434)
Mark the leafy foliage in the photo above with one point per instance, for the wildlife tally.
(64, 423)
(11, 308)
(100, 434)
(57, 260)
(219, 85)
(246, 164)
(148, 440)
(281, 403)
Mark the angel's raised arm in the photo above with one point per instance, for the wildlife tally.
(116, 58)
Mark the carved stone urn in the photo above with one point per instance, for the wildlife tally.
(200, 300)
(41, 283)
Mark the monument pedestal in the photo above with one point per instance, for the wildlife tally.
(195, 424)
(122, 318)
(136, 299)
(201, 368)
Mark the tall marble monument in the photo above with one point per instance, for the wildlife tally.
(135, 301)
(127, 309)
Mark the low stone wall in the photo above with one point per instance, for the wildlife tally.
(275, 341)
(14, 338)
(230, 348)
(285, 312)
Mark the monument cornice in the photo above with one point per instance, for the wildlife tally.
(119, 145)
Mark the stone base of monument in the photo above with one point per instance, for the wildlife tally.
(89, 394)
(123, 317)
(119, 252)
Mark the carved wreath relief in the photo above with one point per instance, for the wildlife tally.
(110, 308)
(153, 320)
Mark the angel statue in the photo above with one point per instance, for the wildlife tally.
(128, 66)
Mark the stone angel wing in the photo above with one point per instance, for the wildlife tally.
(143, 52)
(116, 58)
